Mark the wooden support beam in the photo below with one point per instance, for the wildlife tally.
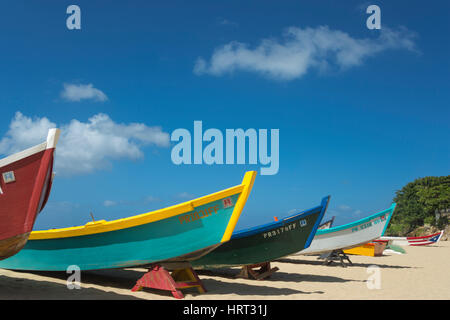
(249, 272)
(159, 277)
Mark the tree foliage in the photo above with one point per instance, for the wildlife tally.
(417, 203)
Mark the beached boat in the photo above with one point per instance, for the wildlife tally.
(414, 241)
(25, 184)
(350, 235)
(266, 242)
(327, 224)
(178, 233)
(389, 247)
(371, 249)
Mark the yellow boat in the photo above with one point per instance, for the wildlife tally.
(371, 249)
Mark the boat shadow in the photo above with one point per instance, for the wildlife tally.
(214, 286)
(117, 278)
(126, 279)
(338, 264)
(276, 276)
(15, 287)
(217, 286)
(301, 277)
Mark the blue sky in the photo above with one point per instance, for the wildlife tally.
(363, 114)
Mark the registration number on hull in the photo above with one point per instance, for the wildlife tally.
(283, 229)
(369, 224)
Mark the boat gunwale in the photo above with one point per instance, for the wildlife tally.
(324, 204)
(426, 237)
(50, 143)
(102, 226)
(360, 221)
(274, 224)
(387, 238)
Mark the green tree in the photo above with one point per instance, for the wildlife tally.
(417, 201)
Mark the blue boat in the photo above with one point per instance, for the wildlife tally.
(266, 242)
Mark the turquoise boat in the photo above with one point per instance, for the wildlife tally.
(183, 232)
(352, 234)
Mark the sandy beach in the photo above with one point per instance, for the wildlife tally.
(421, 273)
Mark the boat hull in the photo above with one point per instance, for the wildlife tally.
(10, 246)
(25, 184)
(265, 243)
(327, 224)
(415, 241)
(370, 249)
(350, 235)
(185, 236)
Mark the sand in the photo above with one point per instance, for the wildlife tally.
(421, 273)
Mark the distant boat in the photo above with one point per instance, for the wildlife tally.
(350, 235)
(327, 224)
(267, 242)
(371, 249)
(178, 233)
(414, 241)
(25, 184)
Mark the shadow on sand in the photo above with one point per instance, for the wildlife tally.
(112, 278)
(15, 288)
(126, 279)
(277, 276)
(245, 289)
(336, 264)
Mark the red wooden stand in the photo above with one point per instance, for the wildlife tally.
(248, 272)
(159, 277)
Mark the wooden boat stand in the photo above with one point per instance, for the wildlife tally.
(248, 272)
(170, 276)
(336, 255)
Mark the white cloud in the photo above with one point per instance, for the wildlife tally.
(84, 146)
(144, 201)
(78, 92)
(184, 195)
(109, 203)
(226, 22)
(301, 50)
(344, 207)
(345, 210)
(24, 132)
(151, 199)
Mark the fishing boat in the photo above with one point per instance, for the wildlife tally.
(178, 233)
(414, 241)
(371, 249)
(25, 184)
(267, 242)
(350, 235)
(389, 247)
(327, 224)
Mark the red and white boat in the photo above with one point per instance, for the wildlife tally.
(414, 241)
(25, 184)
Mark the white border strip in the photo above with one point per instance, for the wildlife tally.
(52, 138)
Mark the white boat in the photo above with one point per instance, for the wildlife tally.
(327, 224)
(414, 241)
(350, 235)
